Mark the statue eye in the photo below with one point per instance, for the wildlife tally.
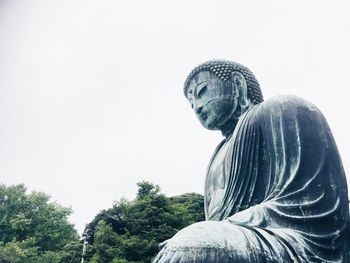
(201, 90)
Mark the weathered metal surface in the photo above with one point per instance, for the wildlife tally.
(275, 188)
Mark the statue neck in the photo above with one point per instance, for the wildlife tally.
(229, 126)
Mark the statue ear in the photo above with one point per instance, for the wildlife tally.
(240, 87)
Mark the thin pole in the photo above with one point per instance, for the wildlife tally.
(84, 251)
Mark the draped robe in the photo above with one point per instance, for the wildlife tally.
(275, 192)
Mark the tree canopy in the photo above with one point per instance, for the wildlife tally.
(130, 231)
(33, 229)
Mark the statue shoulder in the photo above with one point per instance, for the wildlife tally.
(289, 103)
(285, 108)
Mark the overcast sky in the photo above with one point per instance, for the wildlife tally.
(91, 97)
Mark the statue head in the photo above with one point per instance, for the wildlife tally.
(220, 92)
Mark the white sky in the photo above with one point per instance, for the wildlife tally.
(91, 95)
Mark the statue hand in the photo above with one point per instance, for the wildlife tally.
(171, 252)
(165, 255)
(161, 245)
(163, 251)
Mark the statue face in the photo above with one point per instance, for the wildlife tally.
(213, 100)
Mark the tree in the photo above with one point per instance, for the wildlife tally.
(33, 229)
(105, 243)
(147, 189)
(130, 231)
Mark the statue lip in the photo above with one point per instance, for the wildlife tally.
(203, 115)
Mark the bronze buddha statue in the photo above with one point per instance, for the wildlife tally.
(275, 189)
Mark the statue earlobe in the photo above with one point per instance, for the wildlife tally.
(240, 88)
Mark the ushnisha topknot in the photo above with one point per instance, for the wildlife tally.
(223, 69)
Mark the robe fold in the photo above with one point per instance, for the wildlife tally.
(279, 180)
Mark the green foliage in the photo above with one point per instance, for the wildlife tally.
(105, 243)
(130, 231)
(33, 229)
(147, 189)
